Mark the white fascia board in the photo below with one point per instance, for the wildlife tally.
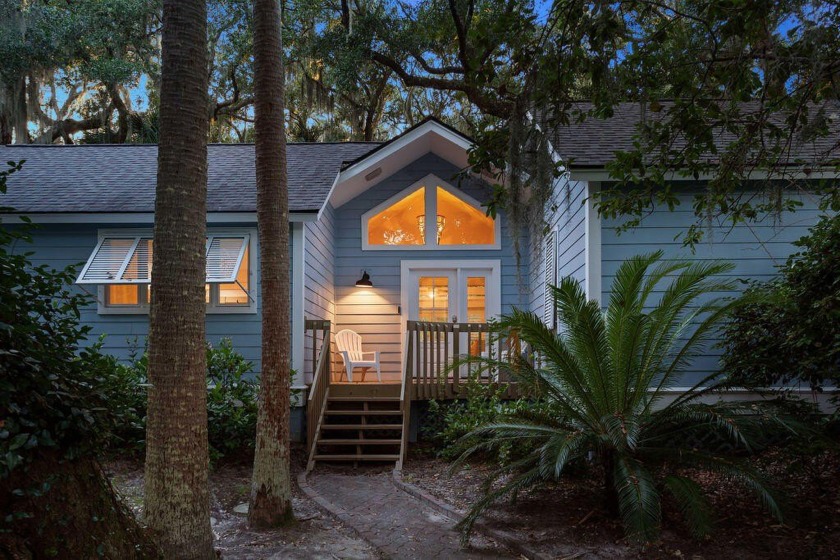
(430, 137)
(602, 175)
(142, 217)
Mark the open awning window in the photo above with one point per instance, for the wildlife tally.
(128, 260)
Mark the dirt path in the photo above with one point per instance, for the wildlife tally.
(316, 535)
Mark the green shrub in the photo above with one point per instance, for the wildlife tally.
(231, 401)
(450, 424)
(50, 397)
(789, 328)
(54, 416)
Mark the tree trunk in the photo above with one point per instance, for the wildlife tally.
(19, 113)
(79, 516)
(271, 494)
(177, 504)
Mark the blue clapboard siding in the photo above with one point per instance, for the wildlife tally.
(373, 313)
(565, 215)
(60, 245)
(755, 249)
(319, 275)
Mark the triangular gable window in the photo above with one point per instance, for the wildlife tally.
(128, 260)
(429, 215)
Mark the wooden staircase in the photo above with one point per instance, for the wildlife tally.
(359, 423)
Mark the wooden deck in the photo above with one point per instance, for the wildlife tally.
(369, 420)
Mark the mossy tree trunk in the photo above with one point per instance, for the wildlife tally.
(177, 504)
(271, 495)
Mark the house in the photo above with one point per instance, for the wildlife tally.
(387, 239)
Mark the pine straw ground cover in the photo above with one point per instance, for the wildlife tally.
(315, 535)
(568, 520)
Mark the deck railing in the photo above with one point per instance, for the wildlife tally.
(321, 375)
(437, 364)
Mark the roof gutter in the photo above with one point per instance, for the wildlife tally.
(144, 217)
(601, 174)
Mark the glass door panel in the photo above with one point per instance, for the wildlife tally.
(476, 302)
(433, 299)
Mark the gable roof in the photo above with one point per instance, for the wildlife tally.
(592, 144)
(122, 178)
(428, 136)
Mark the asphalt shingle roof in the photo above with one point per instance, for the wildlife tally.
(121, 178)
(594, 142)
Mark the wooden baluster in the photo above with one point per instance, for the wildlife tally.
(418, 366)
(456, 351)
(440, 371)
(447, 328)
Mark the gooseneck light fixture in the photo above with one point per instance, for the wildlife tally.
(364, 281)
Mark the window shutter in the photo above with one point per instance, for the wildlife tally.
(549, 277)
(108, 261)
(139, 267)
(128, 260)
(224, 257)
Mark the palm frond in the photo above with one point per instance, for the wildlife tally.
(693, 504)
(638, 499)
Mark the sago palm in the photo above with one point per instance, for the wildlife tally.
(604, 378)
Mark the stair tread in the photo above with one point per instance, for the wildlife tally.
(361, 427)
(363, 399)
(356, 457)
(363, 412)
(360, 441)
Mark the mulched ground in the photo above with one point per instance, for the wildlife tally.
(568, 520)
(315, 535)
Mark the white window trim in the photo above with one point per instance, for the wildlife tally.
(213, 308)
(430, 208)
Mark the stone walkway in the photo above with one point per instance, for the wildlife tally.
(399, 525)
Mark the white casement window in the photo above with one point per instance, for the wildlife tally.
(121, 266)
(430, 214)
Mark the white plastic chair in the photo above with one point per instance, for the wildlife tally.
(349, 344)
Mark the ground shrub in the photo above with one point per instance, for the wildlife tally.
(450, 425)
(231, 401)
(788, 329)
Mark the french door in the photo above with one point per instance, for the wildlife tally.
(466, 292)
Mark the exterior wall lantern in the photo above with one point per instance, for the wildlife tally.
(364, 281)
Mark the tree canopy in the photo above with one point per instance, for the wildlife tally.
(724, 89)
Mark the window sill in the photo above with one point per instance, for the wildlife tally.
(240, 310)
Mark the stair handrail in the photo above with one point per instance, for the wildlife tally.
(406, 394)
(319, 389)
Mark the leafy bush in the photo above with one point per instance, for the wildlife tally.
(455, 421)
(603, 379)
(231, 401)
(50, 396)
(789, 328)
(54, 417)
